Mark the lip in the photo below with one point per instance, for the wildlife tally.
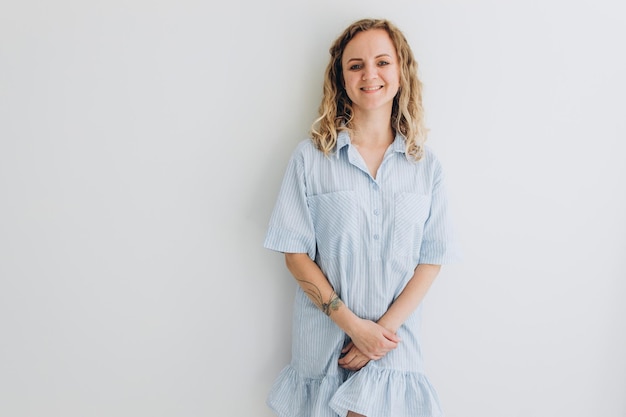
(371, 88)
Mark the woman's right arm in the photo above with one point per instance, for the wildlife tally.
(373, 340)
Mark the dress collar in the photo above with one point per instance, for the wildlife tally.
(343, 140)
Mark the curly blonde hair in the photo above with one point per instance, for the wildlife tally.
(335, 110)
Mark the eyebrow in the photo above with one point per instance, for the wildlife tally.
(361, 59)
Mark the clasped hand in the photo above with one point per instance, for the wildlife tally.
(370, 341)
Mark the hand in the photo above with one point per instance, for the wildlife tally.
(373, 340)
(353, 358)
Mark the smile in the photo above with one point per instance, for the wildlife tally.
(378, 87)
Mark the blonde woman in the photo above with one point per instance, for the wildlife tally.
(363, 223)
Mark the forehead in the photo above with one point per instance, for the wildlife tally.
(369, 43)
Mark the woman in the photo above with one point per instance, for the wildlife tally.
(363, 222)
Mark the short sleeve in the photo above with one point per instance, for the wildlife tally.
(291, 227)
(439, 244)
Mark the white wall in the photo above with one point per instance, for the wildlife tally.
(141, 150)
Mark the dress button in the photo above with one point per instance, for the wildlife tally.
(376, 212)
(376, 237)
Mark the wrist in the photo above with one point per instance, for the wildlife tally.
(346, 320)
(387, 324)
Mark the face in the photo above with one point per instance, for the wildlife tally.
(371, 71)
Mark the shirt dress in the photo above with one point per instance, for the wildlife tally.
(367, 235)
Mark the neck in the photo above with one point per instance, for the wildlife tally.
(372, 128)
(372, 132)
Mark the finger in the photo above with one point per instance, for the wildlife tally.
(349, 364)
(352, 359)
(348, 367)
(389, 335)
(359, 362)
(387, 347)
(347, 347)
(382, 350)
(349, 357)
(353, 368)
(356, 364)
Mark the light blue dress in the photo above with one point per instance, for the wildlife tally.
(367, 235)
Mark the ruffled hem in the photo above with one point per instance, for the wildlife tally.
(295, 396)
(380, 392)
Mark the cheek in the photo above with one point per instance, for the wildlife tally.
(350, 86)
(396, 77)
(348, 93)
(348, 79)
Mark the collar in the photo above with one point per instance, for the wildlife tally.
(343, 140)
(399, 144)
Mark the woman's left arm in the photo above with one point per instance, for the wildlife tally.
(406, 303)
(410, 297)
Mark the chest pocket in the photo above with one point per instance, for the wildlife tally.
(335, 219)
(411, 213)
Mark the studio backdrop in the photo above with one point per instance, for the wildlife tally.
(142, 145)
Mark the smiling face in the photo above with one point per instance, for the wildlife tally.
(371, 71)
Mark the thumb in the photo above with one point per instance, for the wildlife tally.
(347, 347)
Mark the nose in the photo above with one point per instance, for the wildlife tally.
(369, 72)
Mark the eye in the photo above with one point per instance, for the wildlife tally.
(356, 67)
(382, 63)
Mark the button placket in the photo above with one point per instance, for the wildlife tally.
(375, 213)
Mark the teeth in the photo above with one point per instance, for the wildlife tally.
(371, 88)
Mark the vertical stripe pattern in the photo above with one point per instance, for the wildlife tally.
(367, 235)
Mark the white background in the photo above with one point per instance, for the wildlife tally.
(142, 145)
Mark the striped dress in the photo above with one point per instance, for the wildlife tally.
(367, 235)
